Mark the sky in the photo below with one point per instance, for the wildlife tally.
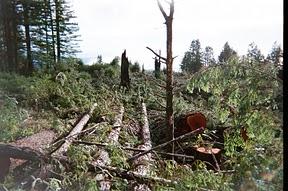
(108, 27)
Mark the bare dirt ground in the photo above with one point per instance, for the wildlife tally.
(39, 142)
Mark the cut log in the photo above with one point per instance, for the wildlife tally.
(189, 122)
(210, 156)
(74, 133)
(142, 164)
(103, 156)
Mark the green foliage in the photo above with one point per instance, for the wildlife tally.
(244, 94)
(11, 83)
(275, 54)
(117, 156)
(135, 68)
(11, 117)
(79, 156)
(187, 179)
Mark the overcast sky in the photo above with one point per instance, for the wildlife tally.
(107, 27)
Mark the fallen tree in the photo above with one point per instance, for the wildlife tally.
(74, 133)
(142, 164)
(103, 156)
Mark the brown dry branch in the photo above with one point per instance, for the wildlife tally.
(158, 55)
(133, 149)
(74, 133)
(130, 175)
(103, 156)
(195, 132)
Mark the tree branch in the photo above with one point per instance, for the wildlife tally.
(156, 54)
(162, 10)
(171, 141)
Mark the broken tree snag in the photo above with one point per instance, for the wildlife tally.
(74, 133)
(125, 81)
(157, 64)
(142, 164)
(103, 156)
(189, 122)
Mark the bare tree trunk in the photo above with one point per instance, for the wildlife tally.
(29, 66)
(125, 81)
(169, 73)
(58, 41)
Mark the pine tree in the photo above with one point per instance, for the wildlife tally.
(226, 53)
(208, 56)
(9, 35)
(275, 54)
(254, 54)
(193, 59)
(66, 37)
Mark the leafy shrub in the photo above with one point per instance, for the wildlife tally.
(10, 118)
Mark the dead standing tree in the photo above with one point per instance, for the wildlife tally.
(169, 63)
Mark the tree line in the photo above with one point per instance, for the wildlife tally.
(196, 58)
(35, 34)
